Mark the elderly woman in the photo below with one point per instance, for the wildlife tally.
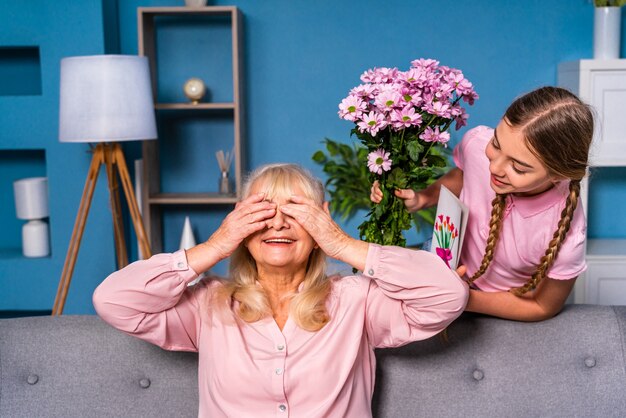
(280, 337)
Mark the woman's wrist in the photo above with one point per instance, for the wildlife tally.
(202, 257)
(354, 253)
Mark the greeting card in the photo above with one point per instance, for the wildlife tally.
(449, 228)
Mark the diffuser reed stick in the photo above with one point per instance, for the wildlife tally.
(224, 161)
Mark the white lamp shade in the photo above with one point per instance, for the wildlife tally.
(31, 198)
(106, 98)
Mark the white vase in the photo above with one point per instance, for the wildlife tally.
(606, 32)
(195, 3)
(35, 239)
(187, 239)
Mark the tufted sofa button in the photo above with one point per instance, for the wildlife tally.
(144, 383)
(32, 379)
(478, 374)
(590, 362)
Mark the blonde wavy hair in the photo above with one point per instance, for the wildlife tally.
(308, 306)
(558, 128)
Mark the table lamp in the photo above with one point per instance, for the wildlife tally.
(104, 100)
(31, 204)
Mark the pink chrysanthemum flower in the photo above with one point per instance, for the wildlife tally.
(387, 100)
(364, 91)
(372, 122)
(378, 161)
(351, 108)
(461, 120)
(405, 118)
(425, 63)
(433, 135)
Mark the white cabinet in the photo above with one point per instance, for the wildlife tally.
(602, 84)
(606, 274)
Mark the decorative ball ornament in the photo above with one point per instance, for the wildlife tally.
(194, 89)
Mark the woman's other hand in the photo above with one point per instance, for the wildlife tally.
(248, 217)
(316, 220)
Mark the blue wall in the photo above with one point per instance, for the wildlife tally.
(30, 122)
(301, 59)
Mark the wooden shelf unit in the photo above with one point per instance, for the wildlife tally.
(153, 198)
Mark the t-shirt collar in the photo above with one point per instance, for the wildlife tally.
(532, 205)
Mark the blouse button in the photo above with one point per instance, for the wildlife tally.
(590, 362)
(180, 264)
(32, 379)
(279, 371)
(280, 347)
(370, 272)
(282, 407)
(144, 383)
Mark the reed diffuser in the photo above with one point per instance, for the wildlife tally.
(224, 161)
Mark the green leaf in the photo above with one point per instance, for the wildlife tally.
(397, 179)
(332, 147)
(319, 157)
(415, 149)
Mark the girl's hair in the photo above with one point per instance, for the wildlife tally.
(558, 129)
(308, 306)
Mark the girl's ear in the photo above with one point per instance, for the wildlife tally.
(326, 207)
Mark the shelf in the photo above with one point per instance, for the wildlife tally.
(192, 199)
(184, 42)
(190, 106)
(592, 64)
(606, 248)
(602, 85)
(174, 11)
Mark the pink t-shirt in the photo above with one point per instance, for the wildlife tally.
(528, 225)
(257, 370)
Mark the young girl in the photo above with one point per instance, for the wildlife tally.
(525, 239)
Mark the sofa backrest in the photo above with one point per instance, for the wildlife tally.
(78, 366)
(571, 365)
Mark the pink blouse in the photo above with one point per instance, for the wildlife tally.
(257, 370)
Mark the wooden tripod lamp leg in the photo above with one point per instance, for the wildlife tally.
(79, 227)
(116, 208)
(142, 237)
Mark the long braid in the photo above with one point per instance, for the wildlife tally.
(497, 212)
(557, 239)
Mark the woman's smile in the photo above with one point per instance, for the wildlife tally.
(278, 241)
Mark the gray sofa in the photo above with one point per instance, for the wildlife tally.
(570, 366)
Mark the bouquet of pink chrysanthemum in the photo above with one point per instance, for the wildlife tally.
(402, 118)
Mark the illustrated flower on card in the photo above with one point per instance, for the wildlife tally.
(402, 119)
(445, 234)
